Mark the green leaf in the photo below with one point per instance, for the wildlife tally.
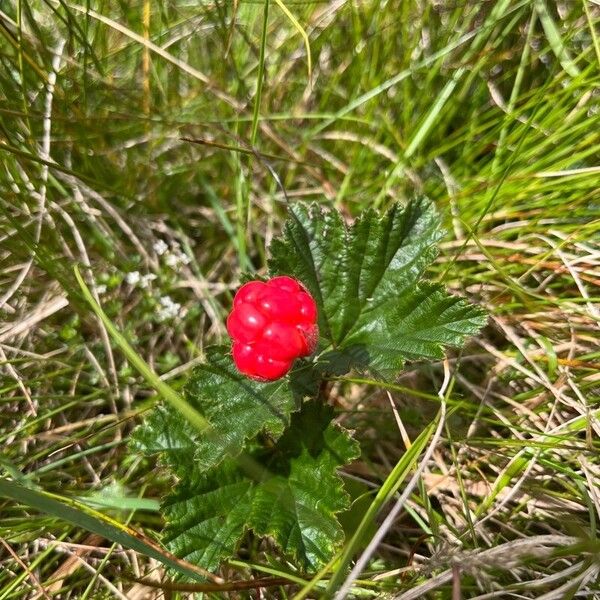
(237, 408)
(295, 504)
(373, 310)
(417, 326)
(206, 515)
(167, 433)
(304, 524)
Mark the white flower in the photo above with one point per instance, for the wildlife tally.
(133, 277)
(169, 309)
(101, 289)
(177, 257)
(171, 260)
(146, 279)
(160, 247)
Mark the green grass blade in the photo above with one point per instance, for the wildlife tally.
(555, 40)
(82, 516)
(166, 391)
(386, 492)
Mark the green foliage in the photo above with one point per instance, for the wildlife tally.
(488, 108)
(236, 407)
(373, 311)
(295, 501)
(294, 498)
(166, 433)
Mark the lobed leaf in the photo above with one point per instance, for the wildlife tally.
(167, 433)
(206, 515)
(374, 312)
(237, 408)
(296, 504)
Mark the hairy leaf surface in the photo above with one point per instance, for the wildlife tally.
(237, 408)
(165, 432)
(373, 310)
(295, 503)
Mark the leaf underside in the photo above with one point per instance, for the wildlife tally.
(374, 313)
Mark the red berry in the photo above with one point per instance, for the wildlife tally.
(244, 358)
(285, 340)
(308, 307)
(257, 364)
(278, 304)
(270, 369)
(310, 336)
(271, 325)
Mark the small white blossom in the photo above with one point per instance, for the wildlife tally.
(176, 258)
(101, 289)
(133, 277)
(160, 247)
(171, 260)
(146, 279)
(169, 309)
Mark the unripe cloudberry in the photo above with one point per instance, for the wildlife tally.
(271, 325)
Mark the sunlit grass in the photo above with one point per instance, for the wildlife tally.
(490, 109)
